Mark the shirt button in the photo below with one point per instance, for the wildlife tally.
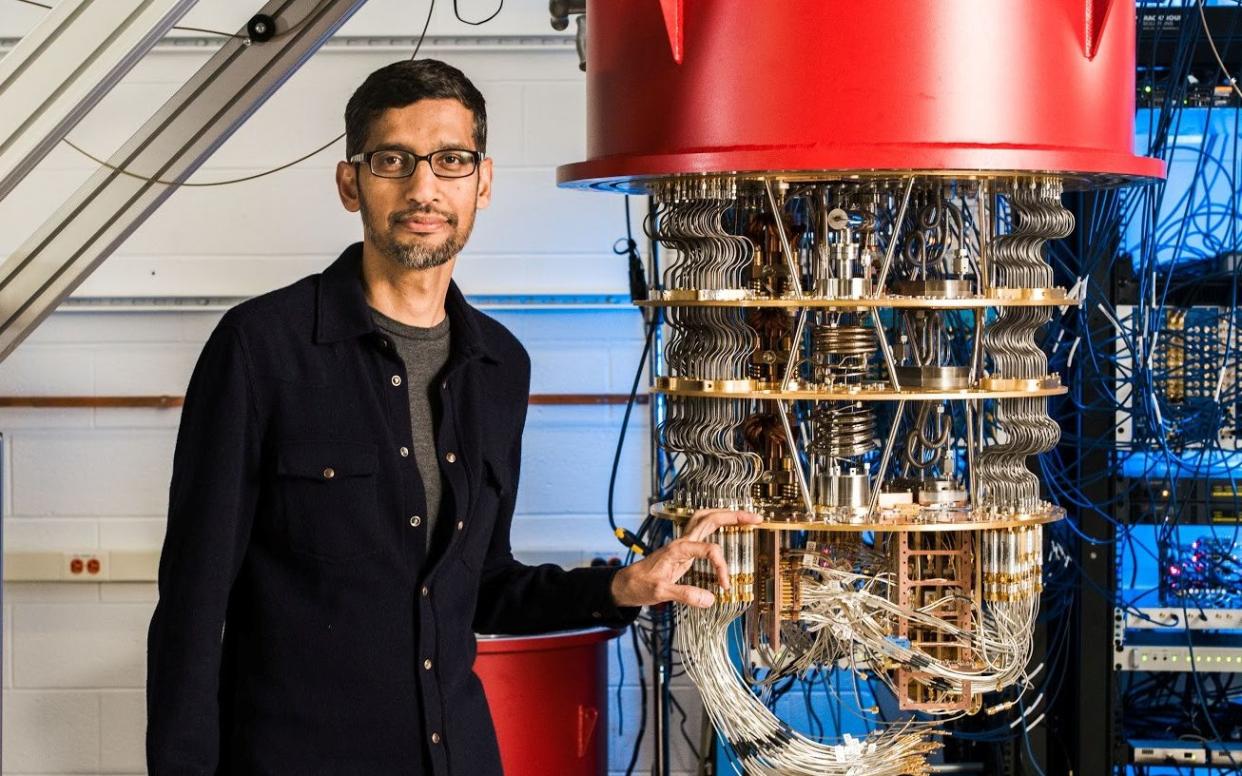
(427, 664)
(426, 591)
(405, 452)
(460, 525)
(450, 457)
(435, 738)
(416, 521)
(597, 615)
(444, 385)
(329, 473)
(396, 379)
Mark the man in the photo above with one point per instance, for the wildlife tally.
(343, 486)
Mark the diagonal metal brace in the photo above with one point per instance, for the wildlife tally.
(98, 217)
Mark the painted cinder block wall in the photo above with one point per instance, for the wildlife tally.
(80, 479)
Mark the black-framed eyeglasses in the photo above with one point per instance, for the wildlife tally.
(399, 163)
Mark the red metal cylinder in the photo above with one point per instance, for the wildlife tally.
(696, 86)
(548, 696)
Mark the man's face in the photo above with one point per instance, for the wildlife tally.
(421, 221)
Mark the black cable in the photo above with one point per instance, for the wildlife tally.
(500, 7)
(694, 749)
(642, 702)
(231, 181)
(627, 247)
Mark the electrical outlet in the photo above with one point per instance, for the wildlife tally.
(84, 567)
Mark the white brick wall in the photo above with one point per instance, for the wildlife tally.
(73, 654)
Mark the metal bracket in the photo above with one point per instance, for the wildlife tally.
(83, 48)
(98, 217)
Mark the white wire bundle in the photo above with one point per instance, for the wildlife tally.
(766, 745)
(844, 603)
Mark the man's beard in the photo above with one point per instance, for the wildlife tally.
(415, 256)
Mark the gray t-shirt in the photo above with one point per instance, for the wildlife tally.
(425, 352)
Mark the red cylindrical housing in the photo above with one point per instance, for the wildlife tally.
(548, 696)
(838, 85)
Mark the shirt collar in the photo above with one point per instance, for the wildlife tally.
(342, 311)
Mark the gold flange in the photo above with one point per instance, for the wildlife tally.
(1014, 384)
(893, 519)
(872, 392)
(722, 387)
(739, 297)
(1051, 296)
(1069, 179)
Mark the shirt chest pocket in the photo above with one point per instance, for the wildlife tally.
(494, 491)
(329, 501)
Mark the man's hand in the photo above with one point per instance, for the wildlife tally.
(654, 579)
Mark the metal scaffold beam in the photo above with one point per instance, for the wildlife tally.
(185, 131)
(64, 66)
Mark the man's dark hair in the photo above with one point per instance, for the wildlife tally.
(406, 82)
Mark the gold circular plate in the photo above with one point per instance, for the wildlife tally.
(894, 519)
(1025, 297)
(729, 387)
(1014, 384)
(879, 393)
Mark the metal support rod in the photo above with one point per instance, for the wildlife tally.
(659, 659)
(795, 350)
(795, 280)
(981, 285)
(795, 275)
(658, 404)
(979, 429)
(985, 235)
(892, 241)
(972, 482)
(797, 460)
(812, 480)
(885, 458)
(659, 682)
(181, 135)
(976, 353)
(885, 350)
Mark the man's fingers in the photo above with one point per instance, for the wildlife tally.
(691, 596)
(705, 522)
(712, 552)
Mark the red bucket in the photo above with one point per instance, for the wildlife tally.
(549, 699)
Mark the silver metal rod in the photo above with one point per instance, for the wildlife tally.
(976, 355)
(795, 275)
(885, 458)
(797, 460)
(659, 677)
(972, 488)
(885, 350)
(658, 401)
(795, 350)
(812, 475)
(979, 435)
(892, 240)
(985, 235)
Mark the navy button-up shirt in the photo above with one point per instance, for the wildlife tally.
(299, 604)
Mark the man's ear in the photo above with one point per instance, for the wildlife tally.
(347, 185)
(484, 197)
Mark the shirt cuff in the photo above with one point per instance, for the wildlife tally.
(596, 587)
